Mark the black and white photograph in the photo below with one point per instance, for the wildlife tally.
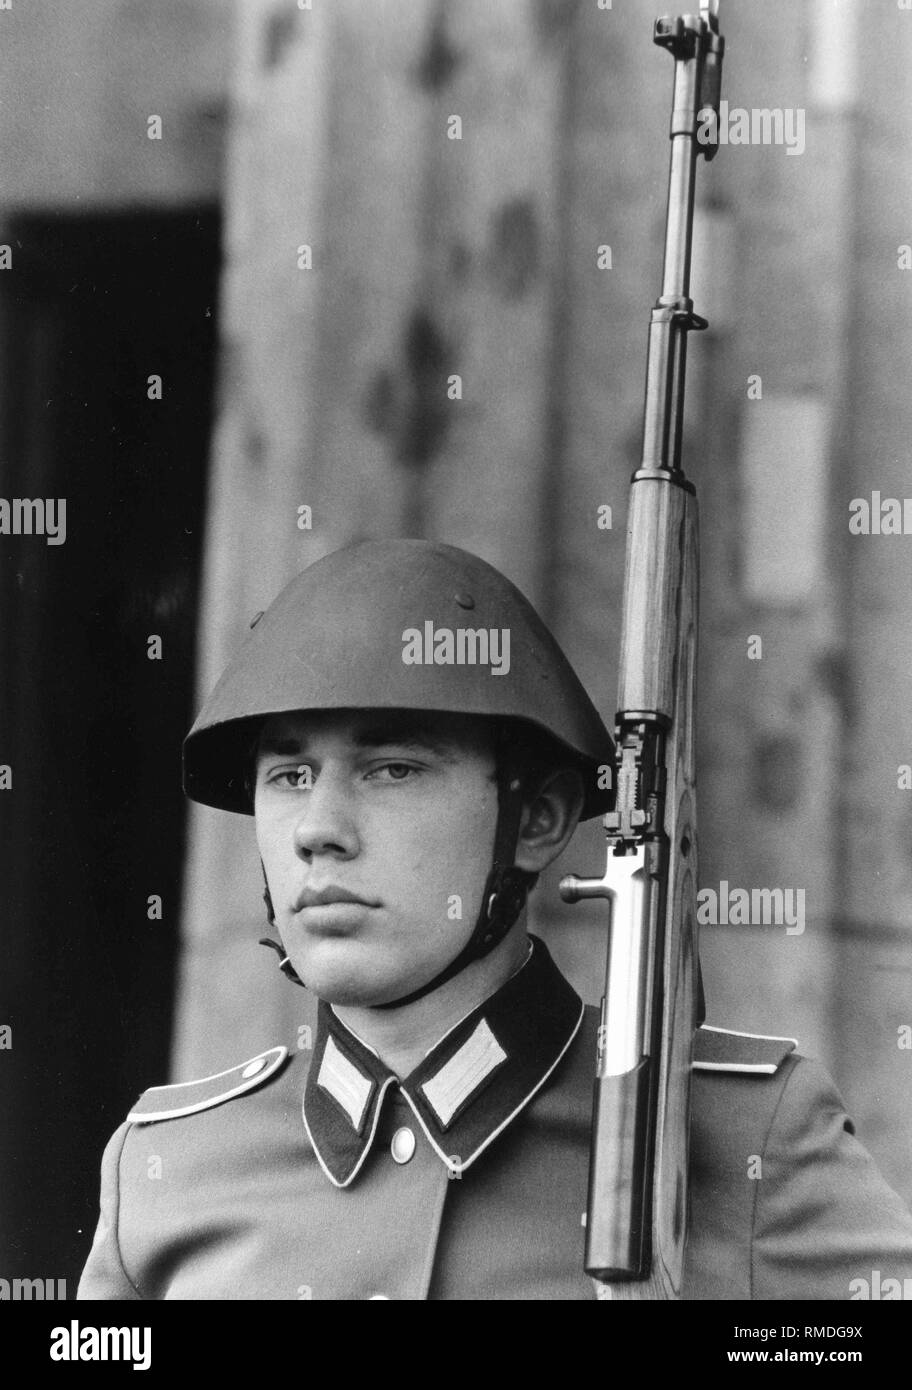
(455, 659)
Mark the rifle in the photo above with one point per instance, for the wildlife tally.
(637, 1206)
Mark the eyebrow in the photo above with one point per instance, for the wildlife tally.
(374, 736)
(278, 747)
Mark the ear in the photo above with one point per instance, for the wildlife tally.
(549, 820)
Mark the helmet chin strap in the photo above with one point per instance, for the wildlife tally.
(505, 891)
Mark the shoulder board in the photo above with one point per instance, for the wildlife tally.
(189, 1097)
(720, 1049)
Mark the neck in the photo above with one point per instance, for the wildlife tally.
(403, 1037)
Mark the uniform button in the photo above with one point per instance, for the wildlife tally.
(403, 1145)
(253, 1068)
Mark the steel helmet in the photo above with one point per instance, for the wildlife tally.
(395, 624)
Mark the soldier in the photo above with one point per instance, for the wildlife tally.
(416, 749)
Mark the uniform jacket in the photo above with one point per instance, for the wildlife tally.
(319, 1175)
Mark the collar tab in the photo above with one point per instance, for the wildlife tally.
(464, 1093)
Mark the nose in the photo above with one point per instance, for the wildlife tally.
(326, 824)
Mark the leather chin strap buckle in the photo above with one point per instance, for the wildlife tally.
(285, 964)
(504, 904)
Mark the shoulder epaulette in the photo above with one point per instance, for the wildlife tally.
(720, 1049)
(189, 1097)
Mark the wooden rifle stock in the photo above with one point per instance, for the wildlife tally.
(637, 1207)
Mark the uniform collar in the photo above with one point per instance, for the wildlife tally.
(465, 1091)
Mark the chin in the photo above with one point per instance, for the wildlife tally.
(341, 975)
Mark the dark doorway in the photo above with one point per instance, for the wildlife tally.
(92, 827)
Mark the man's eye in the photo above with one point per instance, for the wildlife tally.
(394, 772)
(298, 778)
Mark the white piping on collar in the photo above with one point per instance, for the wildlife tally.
(342, 1024)
(367, 1146)
(462, 1166)
(522, 965)
(390, 1080)
(443, 1037)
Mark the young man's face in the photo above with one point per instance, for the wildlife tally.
(393, 809)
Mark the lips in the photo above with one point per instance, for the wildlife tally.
(323, 897)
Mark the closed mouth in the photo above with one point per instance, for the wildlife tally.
(325, 897)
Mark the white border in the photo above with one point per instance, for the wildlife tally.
(757, 1068)
(461, 1167)
(367, 1143)
(147, 1117)
(736, 1033)
(752, 1068)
